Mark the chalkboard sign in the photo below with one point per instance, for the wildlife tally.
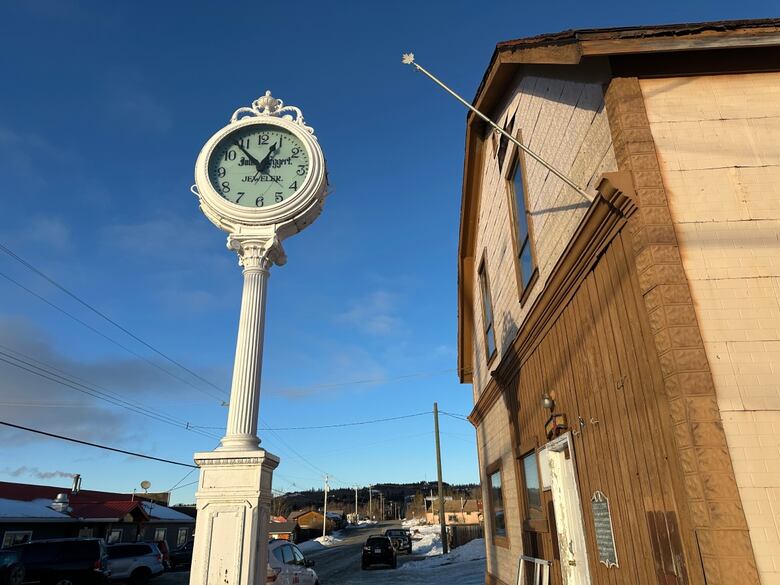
(605, 538)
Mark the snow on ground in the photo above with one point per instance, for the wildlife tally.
(366, 522)
(321, 542)
(426, 540)
(463, 566)
(471, 551)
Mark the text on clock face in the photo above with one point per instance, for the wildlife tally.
(258, 165)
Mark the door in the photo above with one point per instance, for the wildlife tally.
(568, 511)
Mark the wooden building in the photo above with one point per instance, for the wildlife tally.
(37, 512)
(624, 352)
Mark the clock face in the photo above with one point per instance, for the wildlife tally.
(258, 165)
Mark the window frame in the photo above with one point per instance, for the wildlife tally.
(13, 533)
(487, 301)
(180, 542)
(164, 534)
(498, 539)
(111, 533)
(517, 164)
(539, 523)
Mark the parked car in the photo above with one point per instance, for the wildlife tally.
(287, 565)
(378, 550)
(11, 568)
(181, 557)
(65, 561)
(401, 539)
(135, 562)
(166, 553)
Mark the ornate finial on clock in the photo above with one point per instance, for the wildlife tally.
(268, 103)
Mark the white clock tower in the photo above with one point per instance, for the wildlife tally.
(261, 179)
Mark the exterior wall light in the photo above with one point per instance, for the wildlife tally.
(547, 401)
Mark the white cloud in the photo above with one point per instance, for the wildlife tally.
(376, 313)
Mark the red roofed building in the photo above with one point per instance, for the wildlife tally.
(36, 512)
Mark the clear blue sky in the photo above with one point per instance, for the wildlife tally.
(103, 110)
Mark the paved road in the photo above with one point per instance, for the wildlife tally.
(335, 565)
(340, 563)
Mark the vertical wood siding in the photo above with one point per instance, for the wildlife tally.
(596, 364)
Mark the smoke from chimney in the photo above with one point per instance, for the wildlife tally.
(37, 473)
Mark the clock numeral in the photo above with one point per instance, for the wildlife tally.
(295, 152)
(244, 142)
(279, 197)
(293, 186)
(221, 172)
(240, 195)
(263, 139)
(230, 155)
(259, 202)
(225, 187)
(301, 170)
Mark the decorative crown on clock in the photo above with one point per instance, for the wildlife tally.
(267, 105)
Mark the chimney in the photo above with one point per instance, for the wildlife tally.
(76, 484)
(61, 504)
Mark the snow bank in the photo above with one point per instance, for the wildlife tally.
(426, 540)
(413, 522)
(471, 551)
(320, 542)
(366, 522)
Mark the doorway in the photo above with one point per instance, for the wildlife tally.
(559, 473)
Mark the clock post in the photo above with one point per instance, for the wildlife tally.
(261, 179)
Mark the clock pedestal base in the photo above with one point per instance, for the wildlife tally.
(234, 502)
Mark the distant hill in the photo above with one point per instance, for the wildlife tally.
(396, 496)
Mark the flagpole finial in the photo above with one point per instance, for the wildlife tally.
(407, 58)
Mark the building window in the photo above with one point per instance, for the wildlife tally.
(181, 537)
(114, 536)
(526, 263)
(496, 501)
(503, 143)
(487, 313)
(85, 532)
(532, 487)
(11, 537)
(159, 534)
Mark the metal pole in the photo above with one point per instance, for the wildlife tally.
(325, 509)
(444, 546)
(408, 59)
(370, 513)
(356, 514)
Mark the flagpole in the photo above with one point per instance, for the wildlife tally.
(408, 59)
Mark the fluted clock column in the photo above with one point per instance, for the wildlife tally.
(256, 256)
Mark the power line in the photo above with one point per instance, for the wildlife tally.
(104, 336)
(52, 376)
(80, 442)
(78, 299)
(333, 426)
(184, 486)
(455, 416)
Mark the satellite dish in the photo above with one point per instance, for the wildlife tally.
(145, 484)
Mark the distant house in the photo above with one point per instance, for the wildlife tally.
(288, 530)
(310, 523)
(35, 512)
(457, 512)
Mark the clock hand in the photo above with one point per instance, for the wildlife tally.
(252, 159)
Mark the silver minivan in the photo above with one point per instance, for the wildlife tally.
(135, 562)
(288, 566)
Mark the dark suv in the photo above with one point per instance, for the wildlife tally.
(66, 561)
(378, 550)
(402, 540)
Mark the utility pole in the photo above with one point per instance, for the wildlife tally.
(370, 515)
(356, 514)
(325, 509)
(444, 547)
